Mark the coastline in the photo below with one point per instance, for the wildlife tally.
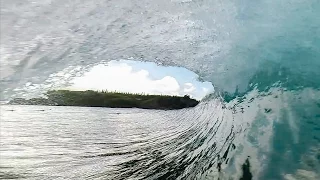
(91, 98)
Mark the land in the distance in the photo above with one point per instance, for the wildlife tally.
(91, 98)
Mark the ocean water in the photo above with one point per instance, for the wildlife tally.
(262, 122)
(39, 142)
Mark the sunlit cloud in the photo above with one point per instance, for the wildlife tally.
(188, 88)
(122, 77)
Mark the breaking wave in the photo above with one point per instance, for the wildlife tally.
(263, 58)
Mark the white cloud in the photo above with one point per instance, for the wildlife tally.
(205, 89)
(188, 88)
(121, 77)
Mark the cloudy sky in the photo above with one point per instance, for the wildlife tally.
(138, 77)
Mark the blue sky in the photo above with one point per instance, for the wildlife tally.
(138, 77)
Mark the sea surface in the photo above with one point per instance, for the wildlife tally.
(40, 142)
(262, 121)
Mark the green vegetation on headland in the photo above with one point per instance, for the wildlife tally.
(91, 98)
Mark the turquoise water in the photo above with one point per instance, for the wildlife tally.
(263, 58)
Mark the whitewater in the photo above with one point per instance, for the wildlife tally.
(262, 57)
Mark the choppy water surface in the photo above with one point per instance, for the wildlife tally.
(262, 122)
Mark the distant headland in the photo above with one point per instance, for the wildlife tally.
(91, 98)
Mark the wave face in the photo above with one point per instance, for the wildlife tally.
(263, 58)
